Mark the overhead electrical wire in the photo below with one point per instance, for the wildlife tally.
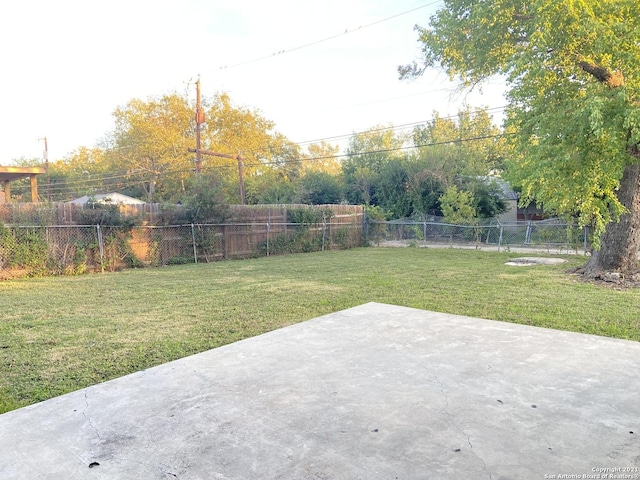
(386, 150)
(68, 187)
(388, 99)
(100, 179)
(97, 180)
(380, 129)
(331, 37)
(326, 39)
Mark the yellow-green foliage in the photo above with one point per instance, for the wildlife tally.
(457, 206)
(573, 90)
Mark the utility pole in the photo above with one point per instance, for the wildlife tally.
(199, 152)
(199, 121)
(243, 199)
(46, 167)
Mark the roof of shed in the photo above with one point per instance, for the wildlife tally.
(113, 198)
(16, 173)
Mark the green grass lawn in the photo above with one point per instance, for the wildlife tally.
(60, 334)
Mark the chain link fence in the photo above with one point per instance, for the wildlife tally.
(77, 249)
(551, 235)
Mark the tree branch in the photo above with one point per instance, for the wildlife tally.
(602, 74)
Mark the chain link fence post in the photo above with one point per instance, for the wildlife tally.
(100, 247)
(193, 241)
(324, 231)
(268, 235)
(365, 226)
(268, 228)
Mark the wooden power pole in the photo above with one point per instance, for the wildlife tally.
(46, 167)
(199, 152)
(243, 199)
(199, 121)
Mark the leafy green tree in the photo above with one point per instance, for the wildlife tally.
(320, 188)
(150, 144)
(449, 149)
(488, 198)
(574, 104)
(270, 186)
(238, 130)
(367, 153)
(285, 157)
(391, 188)
(469, 144)
(424, 188)
(148, 149)
(205, 200)
(322, 157)
(457, 206)
(360, 181)
(85, 171)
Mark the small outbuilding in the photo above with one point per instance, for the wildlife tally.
(108, 198)
(10, 174)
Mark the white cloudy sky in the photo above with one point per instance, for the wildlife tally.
(67, 64)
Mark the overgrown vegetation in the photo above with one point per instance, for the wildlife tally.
(573, 116)
(112, 241)
(307, 232)
(404, 174)
(205, 202)
(65, 333)
(23, 248)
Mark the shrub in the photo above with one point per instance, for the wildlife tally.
(23, 248)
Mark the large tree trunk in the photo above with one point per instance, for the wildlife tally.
(621, 240)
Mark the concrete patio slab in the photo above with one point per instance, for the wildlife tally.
(373, 392)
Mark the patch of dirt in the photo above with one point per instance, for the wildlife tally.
(614, 280)
(13, 273)
(530, 261)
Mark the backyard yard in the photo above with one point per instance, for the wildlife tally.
(59, 334)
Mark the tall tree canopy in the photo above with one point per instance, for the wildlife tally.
(150, 142)
(367, 154)
(322, 157)
(146, 155)
(468, 144)
(573, 73)
(84, 172)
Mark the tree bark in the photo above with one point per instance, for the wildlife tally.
(613, 79)
(621, 240)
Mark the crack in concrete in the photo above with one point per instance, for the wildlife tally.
(81, 463)
(164, 471)
(162, 468)
(484, 465)
(457, 427)
(84, 414)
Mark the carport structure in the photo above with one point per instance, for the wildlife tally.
(10, 174)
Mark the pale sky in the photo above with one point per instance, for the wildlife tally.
(67, 65)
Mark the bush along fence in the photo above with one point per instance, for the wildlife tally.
(551, 234)
(77, 249)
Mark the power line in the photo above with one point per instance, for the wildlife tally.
(385, 150)
(388, 99)
(403, 126)
(326, 39)
(96, 180)
(62, 188)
